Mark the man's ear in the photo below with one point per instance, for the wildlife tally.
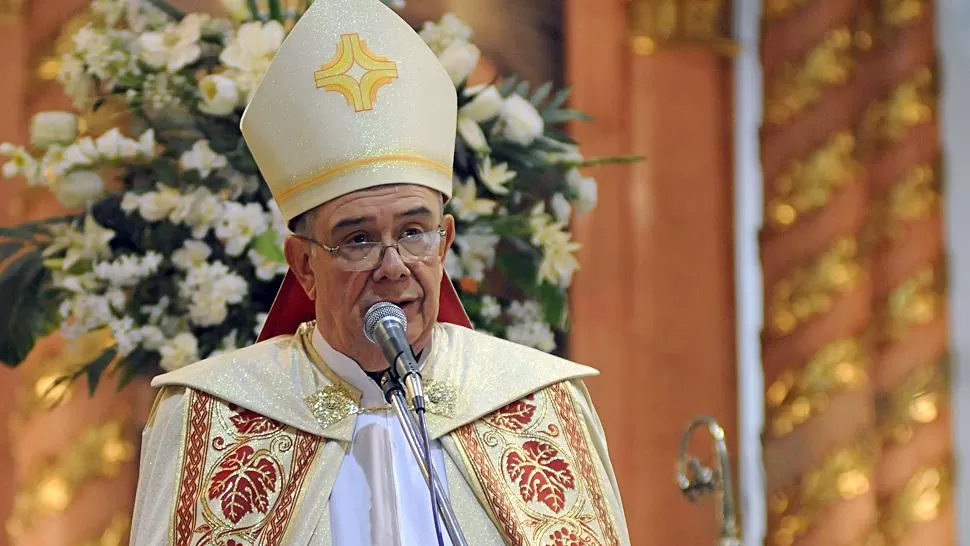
(448, 222)
(298, 258)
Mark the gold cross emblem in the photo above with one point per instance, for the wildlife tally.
(373, 72)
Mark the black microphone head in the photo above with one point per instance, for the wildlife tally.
(381, 311)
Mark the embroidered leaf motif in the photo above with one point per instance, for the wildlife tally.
(250, 423)
(565, 536)
(243, 483)
(541, 474)
(514, 417)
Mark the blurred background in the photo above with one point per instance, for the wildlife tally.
(788, 259)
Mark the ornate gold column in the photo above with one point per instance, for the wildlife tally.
(820, 446)
(900, 139)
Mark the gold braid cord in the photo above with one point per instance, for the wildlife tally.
(821, 443)
(899, 134)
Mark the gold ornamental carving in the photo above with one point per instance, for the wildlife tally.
(918, 400)
(807, 185)
(843, 475)
(777, 9)
(657, 25)
(798, 394)
(917, 301)
(914, 197)
(913, 102)
(923, 498)
(902, 13)
(812, 290)
(98, 453)
(799, 84)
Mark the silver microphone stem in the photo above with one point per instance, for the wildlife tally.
(395, 396)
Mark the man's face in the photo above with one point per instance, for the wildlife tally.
(341, 295)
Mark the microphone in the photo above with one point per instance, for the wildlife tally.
(386, 325)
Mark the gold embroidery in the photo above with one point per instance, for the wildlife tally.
(913, 198)
(916, 401)
(810, 291)
(808, 185)
(843, 475)
(535, 472)
(332, 404)
(442, 397)
(798, 86)
(913, 102)
(359, 90)
(798, 394)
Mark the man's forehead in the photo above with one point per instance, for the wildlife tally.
(382, 201)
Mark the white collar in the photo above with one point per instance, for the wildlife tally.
(347, 369)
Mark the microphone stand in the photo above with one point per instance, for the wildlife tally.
(394, 393)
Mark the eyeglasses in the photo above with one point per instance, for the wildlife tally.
(366, 256)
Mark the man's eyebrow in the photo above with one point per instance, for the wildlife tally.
(349, 222)
(416, 211)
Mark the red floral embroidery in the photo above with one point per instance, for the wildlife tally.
(250, 423)
(243, 483)
(541, 474)
(516, 416)
(564, 537)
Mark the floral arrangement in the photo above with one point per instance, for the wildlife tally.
(177, 245)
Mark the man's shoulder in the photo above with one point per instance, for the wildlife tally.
(251, 358)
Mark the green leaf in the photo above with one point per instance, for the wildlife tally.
(253, 9)
(541, 93)
(508, 85)
(30, 307)
(519, 268)
(274, 10)
(553, 302)
(559, 99)
(560, 116)
(560, 136)
(267, 246)
(168, 9)
(522, 89)
(95, 369)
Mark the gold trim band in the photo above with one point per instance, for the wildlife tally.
(363, 162)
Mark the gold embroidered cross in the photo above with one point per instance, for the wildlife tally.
(356, 73)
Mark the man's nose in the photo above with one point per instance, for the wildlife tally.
(392, 266)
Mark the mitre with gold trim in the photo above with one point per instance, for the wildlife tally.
(353, 99)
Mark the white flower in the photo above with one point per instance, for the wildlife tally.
(558, 251)
(208, 290)
(239, 183)
(583, 188)
(155, 206)
(129, 269)
(78, 188)
(111, 10)
(525, 311)
(77, 85)
(85, 282)
(88, 244)
(152, 337)
(21, 163)
(192, 255)
(82, 153)
(532, 334)
(495, 177)
(85, 312)
(113, 145)
(561, 208)
(568, 153)
(448, 29)
(522, 122)
(220, 95)
(239, 224)
(199, 210)
(465, 202)
(491, 309)
(54, 127)
(459, 59)
(260, 321)
(267, 269)
(250, 52)
(486, 104)
(175, 46)
(476, 252)
(126, 335)
(202, 159)
(472, 134)
(179, 352)
(237, 9)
